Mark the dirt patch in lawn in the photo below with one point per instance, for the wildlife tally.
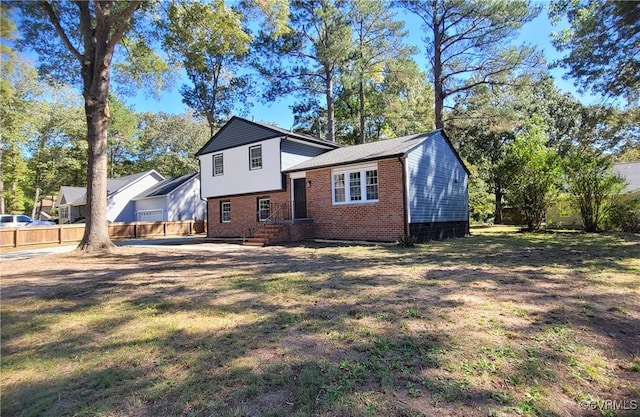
(496, 324)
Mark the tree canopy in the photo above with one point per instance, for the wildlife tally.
(468, 43)
(602, 44)
(346, 66)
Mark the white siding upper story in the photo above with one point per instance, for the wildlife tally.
(237, 178)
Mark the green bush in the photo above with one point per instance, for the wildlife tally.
(625, 215)
(406, 241)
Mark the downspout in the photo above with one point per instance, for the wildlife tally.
(405, 213)
(468, 218)
(206, 204)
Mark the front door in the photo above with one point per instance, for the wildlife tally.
(300, 198)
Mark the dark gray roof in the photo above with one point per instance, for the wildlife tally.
(366, 152)
(630, 171)
(238, 131)
(70, 195)
(166, 187)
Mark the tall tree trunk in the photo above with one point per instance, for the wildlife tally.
(331, 125)
(438, 87)
(96, 233)
(36, 198)
(498, 205)
(361, 109)
(1, 184)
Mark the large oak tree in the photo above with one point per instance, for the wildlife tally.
(74, 38)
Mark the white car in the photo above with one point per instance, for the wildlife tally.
(18, 220)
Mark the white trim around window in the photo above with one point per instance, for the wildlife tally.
(255, 157)
(218, 164)
(354, 185)
(225, 211)
(264, 209)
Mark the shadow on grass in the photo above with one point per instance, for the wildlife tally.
(315, 338)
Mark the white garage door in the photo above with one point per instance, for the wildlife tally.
(150, 215)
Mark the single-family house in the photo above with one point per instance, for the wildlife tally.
(71, 204)
(630, 172)
(71, 201)
(254, 175)
(173, 199)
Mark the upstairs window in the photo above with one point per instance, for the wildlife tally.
(255, 157)
(357, 185)
(218, 168)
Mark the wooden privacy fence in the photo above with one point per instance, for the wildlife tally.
(14, 237)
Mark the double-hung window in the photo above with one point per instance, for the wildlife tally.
(255, 157)
(218, 168)
(264, 209)
(355, 185)
(225, 211)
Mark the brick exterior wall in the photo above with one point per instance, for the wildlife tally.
(381, 221)
(244, 210)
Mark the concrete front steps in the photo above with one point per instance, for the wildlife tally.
(266, 234)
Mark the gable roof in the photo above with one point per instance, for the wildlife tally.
(238, 131)
(70, 195)
(78, 195)
(371, 151)
(116, 184)
(166, 187)
(630, 171)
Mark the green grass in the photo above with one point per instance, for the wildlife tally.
(501, 323)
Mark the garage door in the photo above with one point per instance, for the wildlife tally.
(150, 215)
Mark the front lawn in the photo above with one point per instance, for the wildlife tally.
(501, 323)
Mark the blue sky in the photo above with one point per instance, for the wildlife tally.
(537, 32)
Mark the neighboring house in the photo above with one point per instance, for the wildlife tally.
(71, 204)
(563, 214)
(415, 185)
(120, 193)
(173, 199)
(630, 171)
(44, 209)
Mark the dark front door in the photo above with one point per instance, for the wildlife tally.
(300, 198)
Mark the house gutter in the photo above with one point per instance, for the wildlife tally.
(405, 213)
